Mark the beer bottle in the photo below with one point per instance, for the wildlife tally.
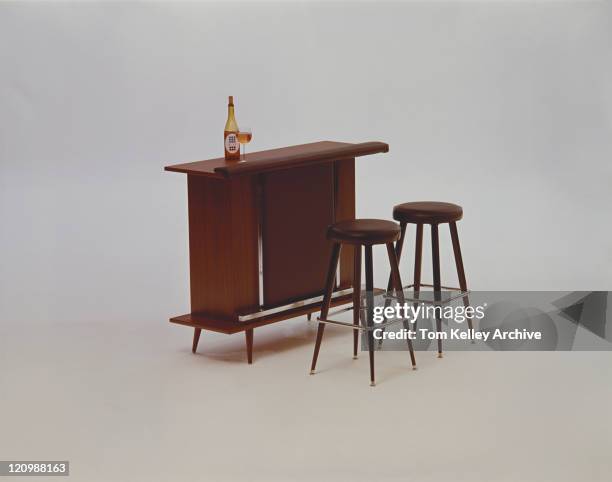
(230, 134)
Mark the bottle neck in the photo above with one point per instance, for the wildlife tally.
(231, 124)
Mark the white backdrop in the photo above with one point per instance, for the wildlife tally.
(505, 108)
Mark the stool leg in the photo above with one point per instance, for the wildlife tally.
(356, 297)
(459, 264)
(398, 253)
(329, 288)
(196, 339)
(370, 309)
(418, 257)
(435, 251)
(395, 275)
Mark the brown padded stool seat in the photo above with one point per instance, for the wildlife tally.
(364, 231)
(427, 212)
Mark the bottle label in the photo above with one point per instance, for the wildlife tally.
(231, 143)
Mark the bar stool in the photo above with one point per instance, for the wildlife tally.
(432, 213)
(360, 232)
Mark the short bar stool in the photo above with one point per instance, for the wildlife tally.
(360, 232)
(432, 213)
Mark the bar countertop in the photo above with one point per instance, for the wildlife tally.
(282, 158)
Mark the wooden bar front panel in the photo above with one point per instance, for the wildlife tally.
(297, 208)
(223, 247)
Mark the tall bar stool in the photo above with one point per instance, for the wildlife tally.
(432, 213)
(360, 232)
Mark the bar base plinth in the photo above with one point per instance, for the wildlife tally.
(229, 326)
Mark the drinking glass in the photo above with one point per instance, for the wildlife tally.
(244, 137)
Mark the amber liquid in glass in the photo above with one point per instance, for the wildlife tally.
(244, 137)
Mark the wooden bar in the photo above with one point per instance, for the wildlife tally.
(266, 213)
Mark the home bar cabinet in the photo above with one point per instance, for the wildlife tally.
(257, 247)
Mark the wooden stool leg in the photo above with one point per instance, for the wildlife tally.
(196, 339)
(249, 344)
(398, 253)
(458, 258)
(329, 288)
(418, 257)
(459, 264)
(370, 309)
(435, 251)
(356, 297)
(397, 281)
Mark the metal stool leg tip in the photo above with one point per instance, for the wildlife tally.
(414, 367)
(372, 384)
(355, 357)
(440, 355)
(312, 372)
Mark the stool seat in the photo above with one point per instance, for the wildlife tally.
(427, 212)
(364, 231)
